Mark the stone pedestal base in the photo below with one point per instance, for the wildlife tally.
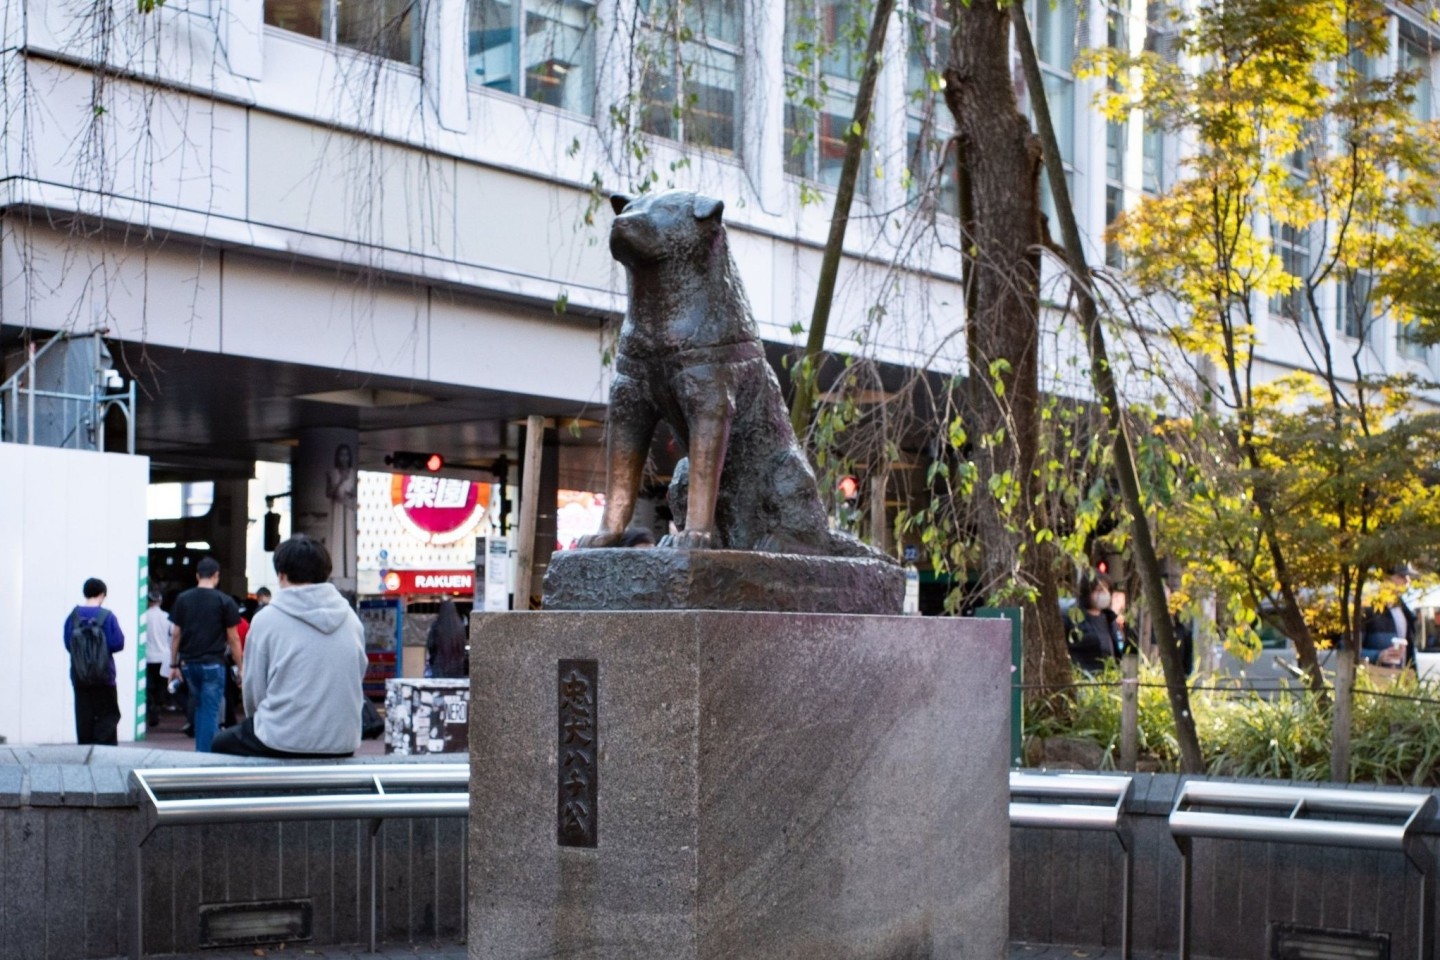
(661, 578)
(767, 787)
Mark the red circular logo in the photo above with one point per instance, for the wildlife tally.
(438, 509)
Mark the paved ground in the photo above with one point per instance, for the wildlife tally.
(167, 736)
(1018, 951)
(454, 951)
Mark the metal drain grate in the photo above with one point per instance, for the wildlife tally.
(259, 921)
(1290, 941)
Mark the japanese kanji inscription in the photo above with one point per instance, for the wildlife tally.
(578, 756)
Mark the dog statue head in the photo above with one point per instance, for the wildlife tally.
(676, 224)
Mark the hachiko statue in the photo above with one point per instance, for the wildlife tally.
(689, 352)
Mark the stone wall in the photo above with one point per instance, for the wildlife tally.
(68, 826)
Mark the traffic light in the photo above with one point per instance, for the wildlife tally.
(408, 461)
(847, 501)
(272, 531)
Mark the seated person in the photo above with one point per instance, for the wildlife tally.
(304, 666)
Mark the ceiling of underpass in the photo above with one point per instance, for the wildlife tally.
(205, 415)
(210, 416)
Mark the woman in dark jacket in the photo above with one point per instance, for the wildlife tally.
(1094, 638)
(445, 645)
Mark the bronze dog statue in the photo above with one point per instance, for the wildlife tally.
(689, 352)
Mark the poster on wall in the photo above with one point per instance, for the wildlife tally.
(381, 620)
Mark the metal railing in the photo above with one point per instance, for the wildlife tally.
(90, 409)
(1371, 820)
(1079, 801)
(201, 795)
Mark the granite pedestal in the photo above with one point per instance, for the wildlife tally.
(769, 787)
(662, 578)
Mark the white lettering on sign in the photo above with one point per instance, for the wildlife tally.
(445, 581)
(457, 711)
(421, 491)
(452, 493)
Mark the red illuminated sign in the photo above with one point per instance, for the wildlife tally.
(430, 581)
(438, 510)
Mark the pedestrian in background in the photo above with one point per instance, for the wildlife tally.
(446, 643)
(1095, 639)
(157, 655)
(92, 638)
(205, 621)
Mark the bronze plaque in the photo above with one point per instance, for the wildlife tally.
(578, 767)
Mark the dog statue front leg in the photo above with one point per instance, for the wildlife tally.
(628, 431)
(709, 440)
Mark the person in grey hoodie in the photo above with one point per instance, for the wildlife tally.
(304, 666)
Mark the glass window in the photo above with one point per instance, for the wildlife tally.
(1055, 46)
(691, 84)
(824, 53)
(930, 130)
(1407, 342)
(1114, 206)
(1293, 248)
(1159, 42)
(550, 61)
(1415, 57)
(384, 28)
(310, 17)
(1356, 307)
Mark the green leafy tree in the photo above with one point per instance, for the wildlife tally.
(1311, 181)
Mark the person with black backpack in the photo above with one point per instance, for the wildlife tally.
(93, 637)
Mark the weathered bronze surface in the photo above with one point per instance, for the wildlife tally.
(689, 353)
(578, 766)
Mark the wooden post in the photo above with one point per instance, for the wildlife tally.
(879, 527)
(1129, 711)
(529, 510)
(1344, 700)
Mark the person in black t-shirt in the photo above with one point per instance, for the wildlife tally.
(205, 621)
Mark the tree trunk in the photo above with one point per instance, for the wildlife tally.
(1001, 166)
(1103, 378)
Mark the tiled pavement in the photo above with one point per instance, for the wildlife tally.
(1018, 951)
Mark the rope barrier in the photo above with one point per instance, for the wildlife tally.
(1235, 689)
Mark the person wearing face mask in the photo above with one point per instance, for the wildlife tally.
(1094, 637)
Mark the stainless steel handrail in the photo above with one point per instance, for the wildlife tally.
(357, 775)
(1236, 820)
(238, 802)
(1103, 816)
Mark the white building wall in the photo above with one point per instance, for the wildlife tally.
(65, 516)
(260, 140)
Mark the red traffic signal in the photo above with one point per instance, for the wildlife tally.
(406, 461)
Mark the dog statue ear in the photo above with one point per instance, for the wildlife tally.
(707, 207)
(619, 201)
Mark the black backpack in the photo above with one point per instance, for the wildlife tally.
(89, 652)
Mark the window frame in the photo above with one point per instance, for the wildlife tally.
(929, 128)
(330, 31)
(674, 34)
(520, 71)
(817, 87)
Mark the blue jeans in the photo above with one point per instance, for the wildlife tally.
(206, 683)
